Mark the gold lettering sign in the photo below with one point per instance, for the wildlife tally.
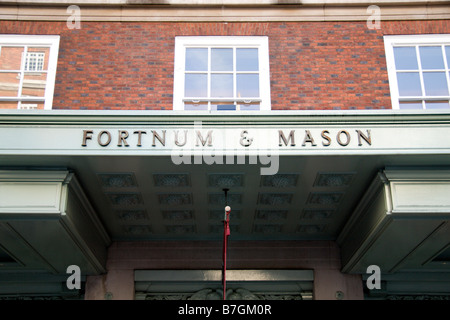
(286, 138)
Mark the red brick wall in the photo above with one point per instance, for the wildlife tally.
(314, 65)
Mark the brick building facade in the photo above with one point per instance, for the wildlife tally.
(129, 66)
(360, 172)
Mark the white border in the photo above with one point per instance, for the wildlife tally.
(404, 40)
(51, 41)
(261, 42)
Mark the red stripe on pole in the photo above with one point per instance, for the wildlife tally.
(226, 233)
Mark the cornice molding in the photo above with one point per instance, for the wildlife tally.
(311, 10)
(172, 118)
(209, 3)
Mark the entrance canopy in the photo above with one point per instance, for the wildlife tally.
(374, 181)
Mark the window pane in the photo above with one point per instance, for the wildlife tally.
(33, 62)
(196, 59)
(247, 60)
(196, 85)
(9, 84)
(223, 106)
(11, 58)
(447, 53)
(247, 85)
(435, 84)
(222, 59)
(8, 104)
(405, 58)
(39, 56)
(249, 106)
(409, 84)
(411, 105)
(201, 106)
(34, 84)
(437, 105)
(31, 105)
(44, 50)
(222, 85)
(431, 57)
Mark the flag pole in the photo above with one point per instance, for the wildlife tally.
(226, 233)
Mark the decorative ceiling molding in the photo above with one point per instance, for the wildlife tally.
(229, 180)
(325, 198)
(279, 180)
(271, 215)
(311, 229)
(175, 199)
(137, 230)
(131, 216)
(218, 229)
(125, 199)
(275, 199)
(180, 229)
(171, 180)
(219, 199)
(219, 214)
(268, 228)
(318, 214)
(178, 215)
(117, 180)
(333, 179)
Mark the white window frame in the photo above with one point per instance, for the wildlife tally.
(412, 40)
(260, 42)
(51, 41)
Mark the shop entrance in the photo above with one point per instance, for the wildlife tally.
(241, 285)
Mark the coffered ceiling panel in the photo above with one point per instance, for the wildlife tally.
(151, 198)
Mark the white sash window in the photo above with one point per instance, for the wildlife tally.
(419, 71)
(215, 73)
(27, 71)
